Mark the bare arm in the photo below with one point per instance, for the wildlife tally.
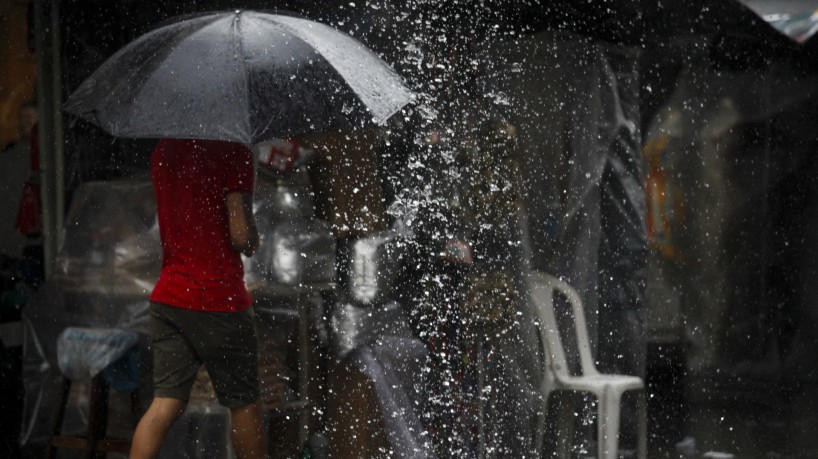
(243, 233)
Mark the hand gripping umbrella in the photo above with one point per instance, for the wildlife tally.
(240, 76)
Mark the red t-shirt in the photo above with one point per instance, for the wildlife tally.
(200, 268)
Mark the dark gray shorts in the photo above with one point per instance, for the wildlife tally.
(224, 342)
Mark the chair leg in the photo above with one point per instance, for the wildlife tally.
(608, 424)
(98, 416)
(539, 434)
(95, 443)
(601, 426)
(60, 416)
(642, 451)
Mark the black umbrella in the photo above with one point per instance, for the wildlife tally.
(241, 76)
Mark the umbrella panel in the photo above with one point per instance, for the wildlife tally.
(117, 80)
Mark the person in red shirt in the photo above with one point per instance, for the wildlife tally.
(201, 312)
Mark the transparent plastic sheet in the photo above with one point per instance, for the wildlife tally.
(372, 341)
(49, 312)
(382, 359)
(384, 376)
(106, 268)
(105, 271)
(501, 386)
(505, 381)
(353, 326)
(594, 144)
(574, 160)
(574, 102)
(201, 432)
(580, 163)
(297, 252)
(111, 240)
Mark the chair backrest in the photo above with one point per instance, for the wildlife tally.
(542, 288)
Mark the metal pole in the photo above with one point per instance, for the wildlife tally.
(49, 103)
(45, 130)
(57, 132)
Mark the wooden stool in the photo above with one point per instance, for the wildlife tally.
(95, 443)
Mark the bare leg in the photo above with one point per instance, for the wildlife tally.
(151, 430)
(249, 438)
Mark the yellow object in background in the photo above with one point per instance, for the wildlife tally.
(18, 66)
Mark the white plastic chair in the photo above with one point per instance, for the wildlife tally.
(608, 388)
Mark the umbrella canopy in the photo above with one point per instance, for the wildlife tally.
(240, 76)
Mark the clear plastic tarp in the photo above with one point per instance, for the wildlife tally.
(110, 240)
(93, 318)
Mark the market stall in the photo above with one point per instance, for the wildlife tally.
(609, 131)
